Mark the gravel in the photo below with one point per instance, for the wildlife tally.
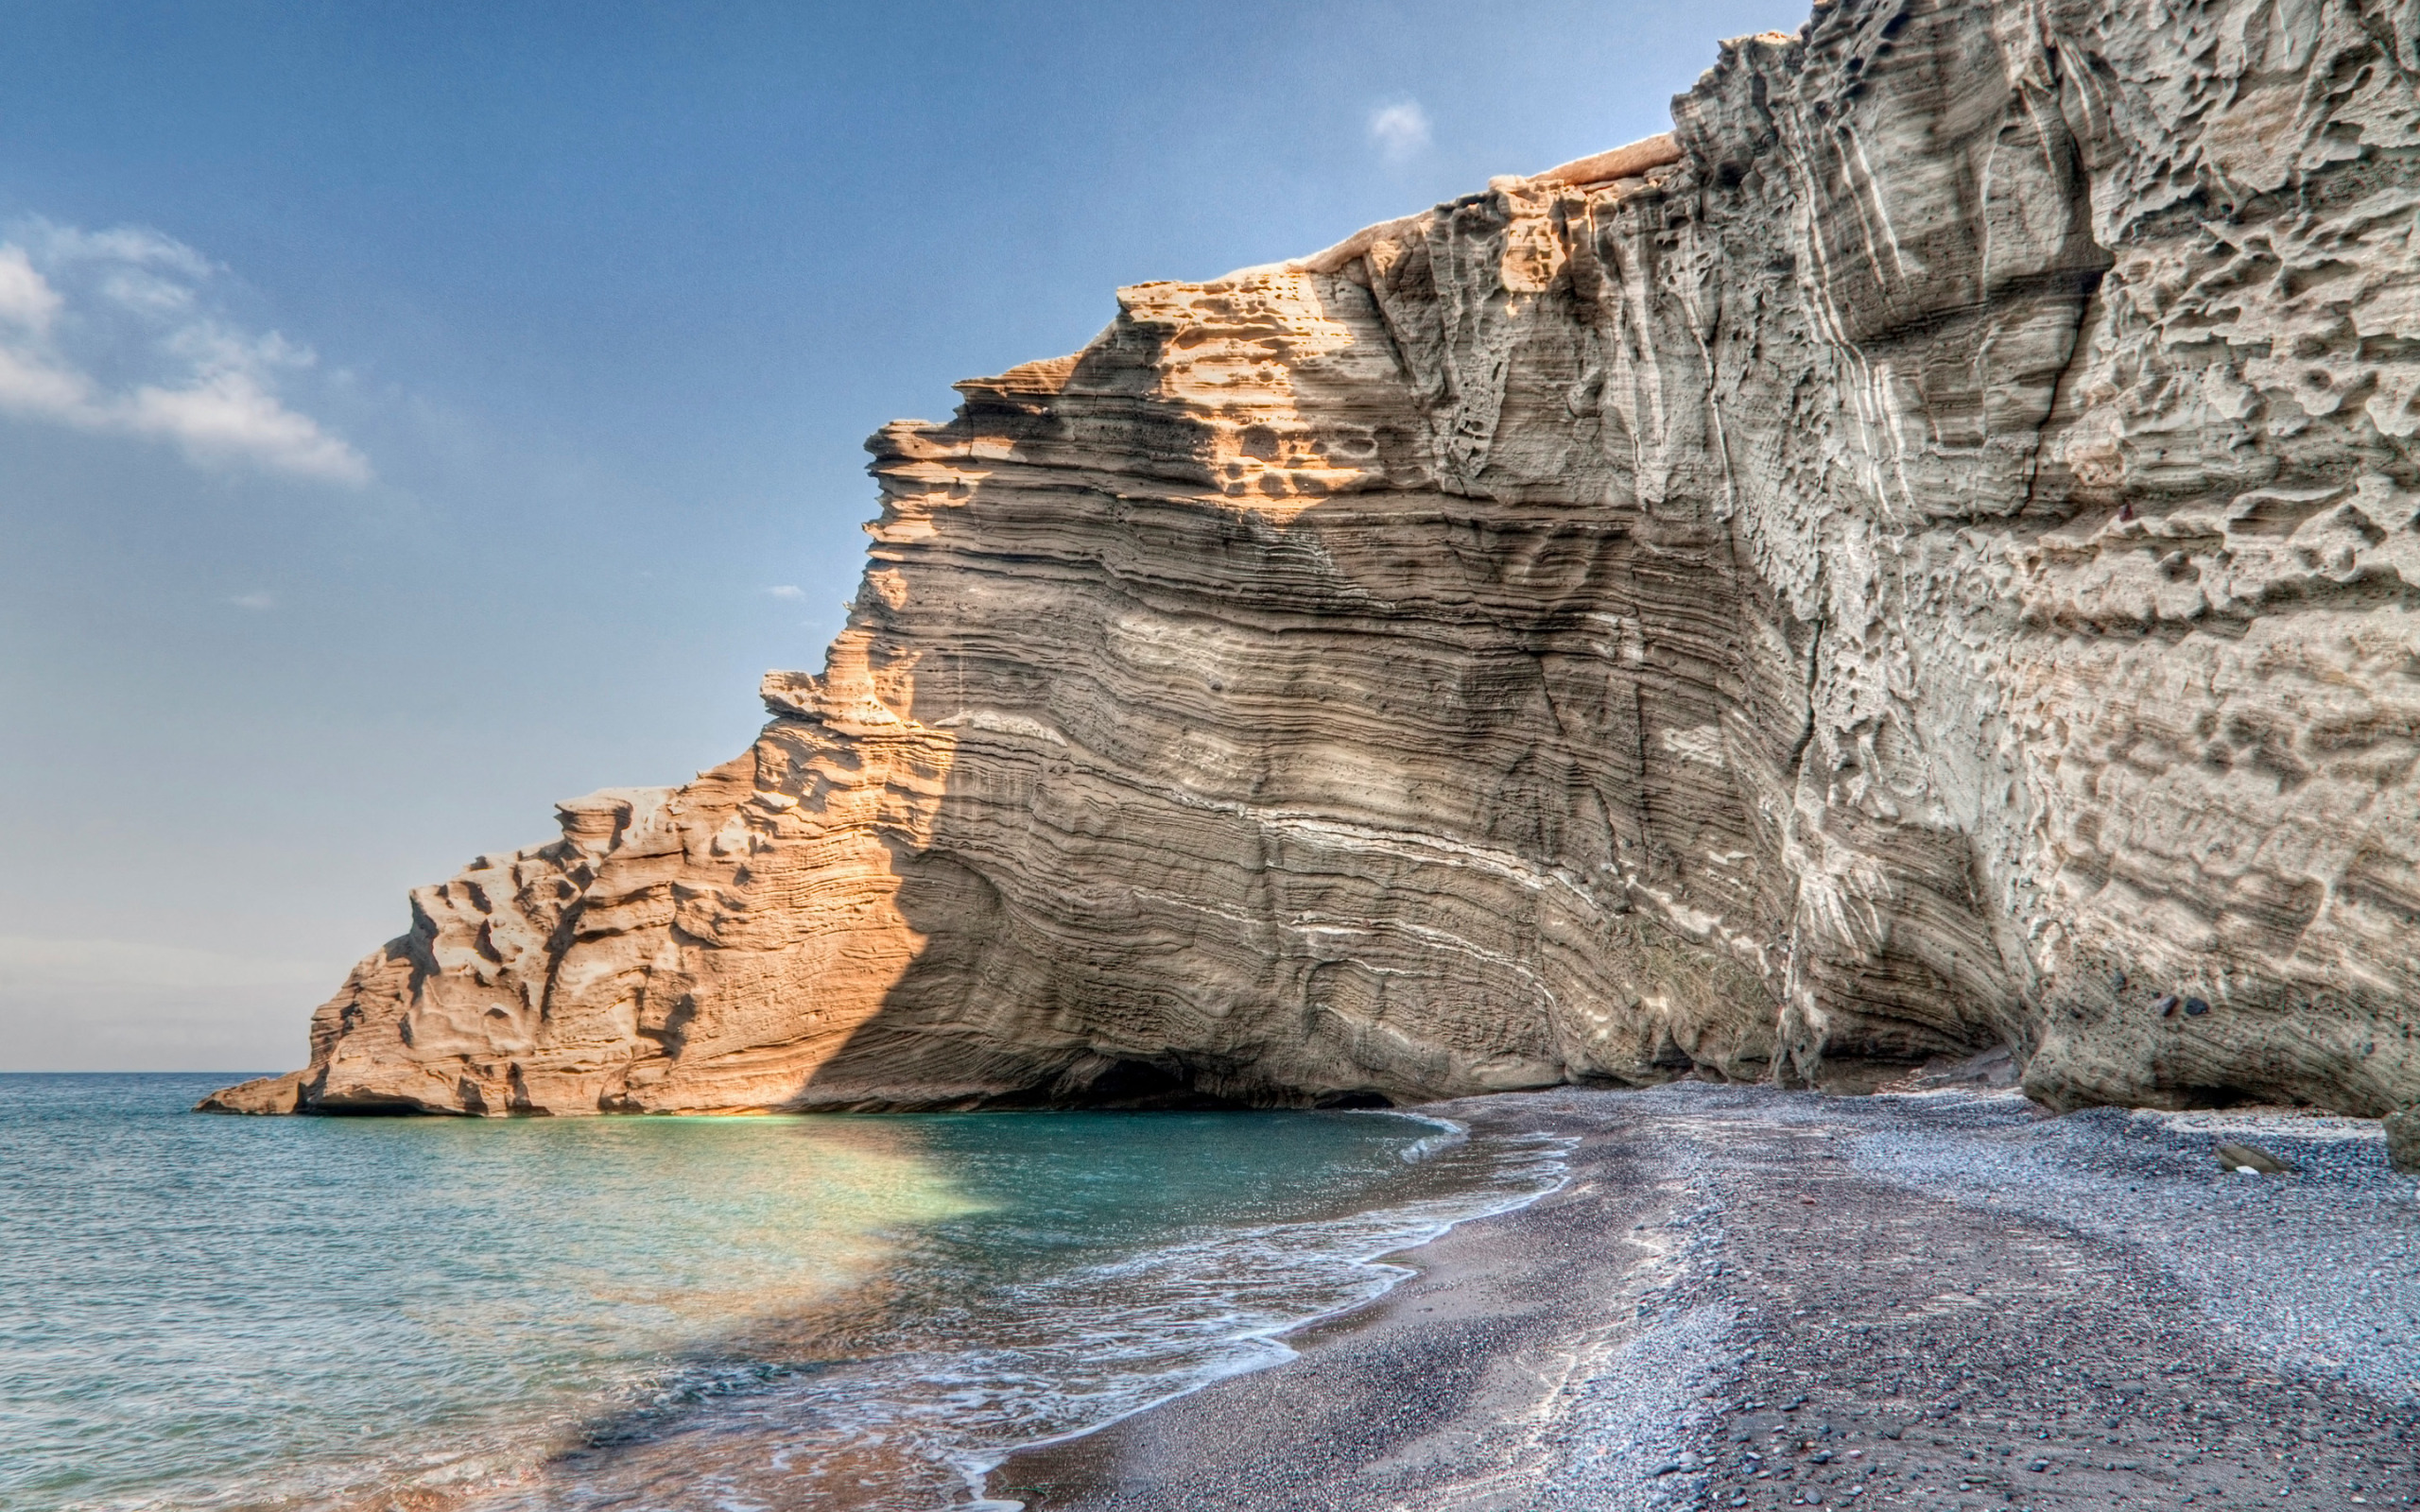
(2317, 1272)
(1744, 1298)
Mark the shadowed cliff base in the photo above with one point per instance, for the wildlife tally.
(1918, 562)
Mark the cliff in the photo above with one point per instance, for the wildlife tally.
(1923, 559)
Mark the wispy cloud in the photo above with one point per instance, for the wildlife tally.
(1400, 131)
(113, 333)
(253, 601)
(788, 591)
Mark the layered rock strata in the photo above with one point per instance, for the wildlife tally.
(1923, 559)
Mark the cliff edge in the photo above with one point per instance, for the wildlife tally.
(1923, 559)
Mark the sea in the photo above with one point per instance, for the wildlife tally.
(206, 1313)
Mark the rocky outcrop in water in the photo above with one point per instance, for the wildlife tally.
(1923, 559)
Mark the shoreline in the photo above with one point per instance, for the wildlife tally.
(1395, 1263)
(1740, 1297)
(846, 1313)
(847, 1428)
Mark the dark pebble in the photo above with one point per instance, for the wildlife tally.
(2195, 1008)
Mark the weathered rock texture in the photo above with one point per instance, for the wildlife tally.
(1924, 558)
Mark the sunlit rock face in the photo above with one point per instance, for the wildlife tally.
(1923, 559)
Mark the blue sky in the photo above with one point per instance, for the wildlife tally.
(412, 415)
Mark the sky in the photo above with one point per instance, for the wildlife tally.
(412, 415)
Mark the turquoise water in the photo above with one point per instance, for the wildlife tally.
(205, 1312)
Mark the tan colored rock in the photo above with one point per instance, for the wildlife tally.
(262, 1094)
(1925, 560)
(1633, 162)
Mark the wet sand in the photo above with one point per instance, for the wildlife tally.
(1744, 1298)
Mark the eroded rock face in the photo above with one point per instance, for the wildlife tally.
(1924, 558)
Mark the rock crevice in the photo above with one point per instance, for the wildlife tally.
(1923, 558)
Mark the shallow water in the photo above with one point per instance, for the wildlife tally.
(828, 1311)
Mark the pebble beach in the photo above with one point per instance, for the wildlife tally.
(1746, 1297)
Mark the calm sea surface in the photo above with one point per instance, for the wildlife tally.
(206, 1313)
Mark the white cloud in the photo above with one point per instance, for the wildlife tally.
(27, 298)
(1400, 131)
(120, 245)
(253, 601)
(32, 385)
(789, 591)
(111, 333)
(228, 417)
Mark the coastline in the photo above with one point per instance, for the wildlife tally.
(868, 1409)
(542, 1314)
(1740, 1297)
(1391, 1267)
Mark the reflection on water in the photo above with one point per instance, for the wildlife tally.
(836, 1312)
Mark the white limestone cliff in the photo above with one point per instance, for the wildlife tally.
(1923, 558)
